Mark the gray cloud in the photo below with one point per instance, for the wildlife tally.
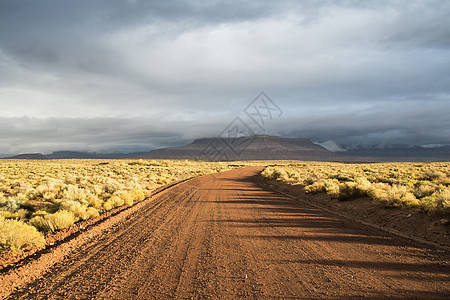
(124, 75)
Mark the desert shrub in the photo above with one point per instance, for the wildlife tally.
(10, 204)
(117, 201)
(274, 175)
(428, 203)
(332, 187)
(113, 202)
(40, 213)
(363, 184)
(41, 189)
(92, 212)
(425, 189)
(136, 162)
(163, 181)
(78, 209)
(390, 196)
(409, 200)
(77, 194)
(266, 174)
(137, 195)
(18, 235)
(94, 201)
(6, 214)
(439, 200)
(445, 181)
(350, 190)
(108, 205)
(316, 187)
(97, 189)
(343, 177)
(433, 174)
(133, 183)
(126, 196)
(309, 180)
(20, 214)
(69, 179)
(291, 175)
(21, 187)
(112, 186)
(52, 222)
(49, 195)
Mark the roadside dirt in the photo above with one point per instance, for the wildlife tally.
(223, 236)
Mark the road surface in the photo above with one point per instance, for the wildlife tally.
(222, 236)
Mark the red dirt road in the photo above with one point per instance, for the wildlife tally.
(222, 236)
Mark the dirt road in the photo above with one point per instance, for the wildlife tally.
(222, 236)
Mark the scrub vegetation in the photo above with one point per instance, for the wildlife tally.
(423, 186)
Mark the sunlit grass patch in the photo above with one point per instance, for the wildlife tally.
(16, 235)
(423, 186)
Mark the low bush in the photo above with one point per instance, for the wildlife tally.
(332, 188)
(439, 200)
(78, 209)
(350, 190)
(92, 212)
(316, 187)
(113, 202)
(137, 195)
(126, 196)
(9, 204)
(424, 189)
(16, 235)
(52, 222)
(94, 201)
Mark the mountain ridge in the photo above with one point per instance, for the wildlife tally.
(259, 147)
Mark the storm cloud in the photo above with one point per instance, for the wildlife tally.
(137, 75)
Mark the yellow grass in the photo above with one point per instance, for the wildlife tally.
(16, 235)
(425, 186)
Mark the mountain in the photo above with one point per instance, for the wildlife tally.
(28, 156)
(260, 147)
(75, 155)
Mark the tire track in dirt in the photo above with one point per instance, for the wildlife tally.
(222, 236)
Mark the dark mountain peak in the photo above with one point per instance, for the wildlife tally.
(75, 155)
(258, 147)
(29, 156)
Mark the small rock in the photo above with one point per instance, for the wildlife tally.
(444, 221)
(408, 216)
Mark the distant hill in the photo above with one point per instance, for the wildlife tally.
(75, 155)
(28, 156)
(260, 147)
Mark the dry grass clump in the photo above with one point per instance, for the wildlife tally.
(424, 186)
(16, 235)
(52, 222)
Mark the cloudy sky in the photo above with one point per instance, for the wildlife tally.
(134, 75)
